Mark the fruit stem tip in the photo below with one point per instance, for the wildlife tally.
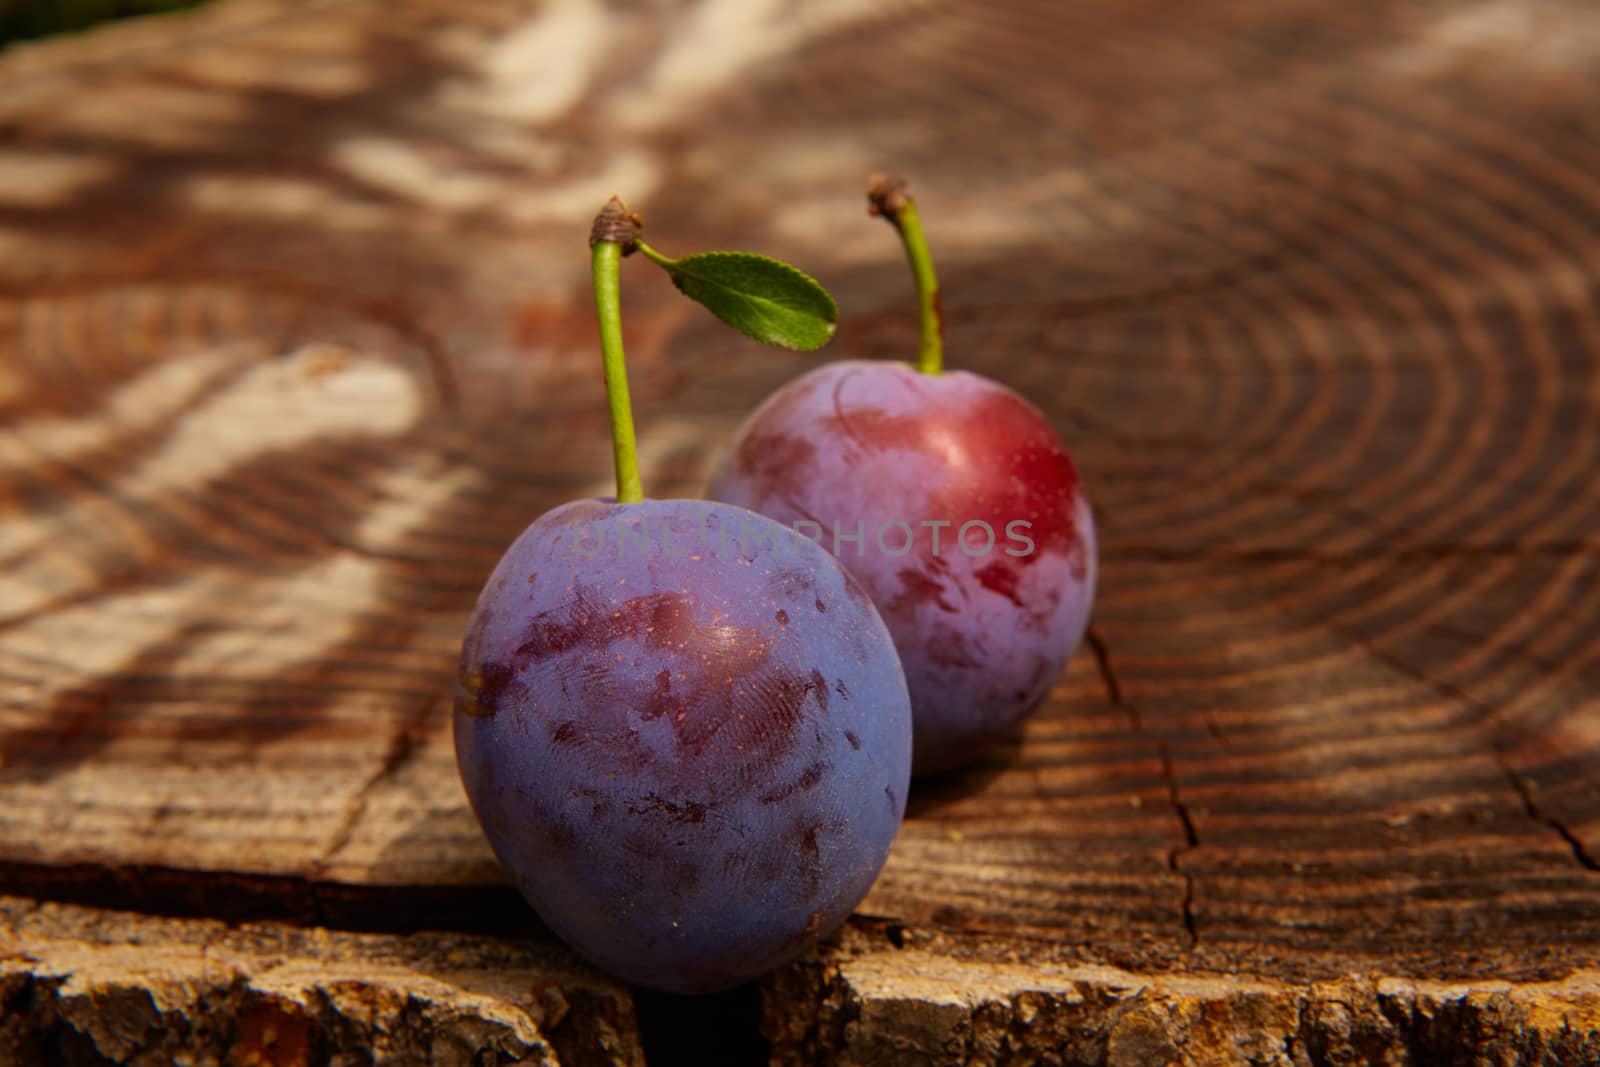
(616, 225)
(886, 196)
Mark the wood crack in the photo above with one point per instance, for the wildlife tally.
(1102, 658)
(402, 745)
(1454, 693)
(1534, 812)
(1295, 1040)
(1191, 842)
(1191, 839)
(292, 899)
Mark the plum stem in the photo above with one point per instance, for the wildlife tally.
(887, 196)
(615, 234)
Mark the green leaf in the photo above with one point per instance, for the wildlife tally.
(760, 297)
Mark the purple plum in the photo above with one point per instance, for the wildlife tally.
(957, 506)
(686, 734)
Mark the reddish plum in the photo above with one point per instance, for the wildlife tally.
(984, 619)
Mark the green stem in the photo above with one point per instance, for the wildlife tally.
(653, 256)
(608, 307)
(889, 198)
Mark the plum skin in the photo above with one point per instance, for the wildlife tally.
(982, 637)
(691, 757)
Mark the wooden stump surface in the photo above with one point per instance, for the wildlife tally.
(295, 337)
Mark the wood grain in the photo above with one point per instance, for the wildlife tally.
(294, 338)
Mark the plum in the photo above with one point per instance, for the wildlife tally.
(957, 506)
(686, 734)
(684, 730)
(953, 501)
